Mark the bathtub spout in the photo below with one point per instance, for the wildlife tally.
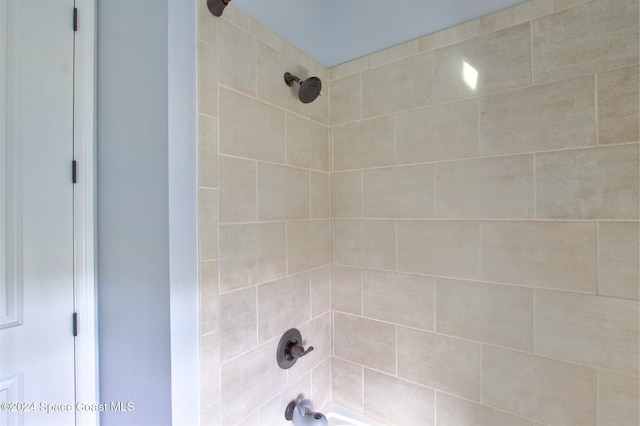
(302, 414)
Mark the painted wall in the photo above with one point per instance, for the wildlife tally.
(264, 222)
(485, 236)
(147, 260)
(336, 31)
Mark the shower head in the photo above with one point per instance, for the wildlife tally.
(217, 6)
(309, 88)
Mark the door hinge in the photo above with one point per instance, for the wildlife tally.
(75, 19)
(74, 171)
(75, 324)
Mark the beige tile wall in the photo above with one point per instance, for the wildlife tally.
(265, 223)
(486, 231)
(458, 251)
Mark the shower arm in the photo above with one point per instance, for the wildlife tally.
(290, 78)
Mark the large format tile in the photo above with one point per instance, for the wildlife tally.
(486, 188)
(319, 195)
(589, 38)
(538, 118)
(237, 51)
(238, 190)
(207, 151)
(399, 86)
(618, 106)
(364, 341)
(452, 411)
(399, 298)
(555, 255)
(208, 223)
(618, 259)
(347, 383)
(209, 368)
(476, 67)
(307, 143)
(364, 144)
(346, 289)
(283, 192)
(207, 80)
(397, 402)
(346, 194)
(308, 244)
(494, 314)
(208, 295)
(399, 192)
(320, 290)
(251, 254)
(250, 128)
(597, 183)
(256, 377)
(543, 389)
(439, 247)
(238, 321)
(283, 304)
(443, 132)
(345, 99)
(321, 383)
(440, 362)
(618, 400)
(593, 330)
(364, 243)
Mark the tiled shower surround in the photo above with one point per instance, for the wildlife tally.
(453, 224)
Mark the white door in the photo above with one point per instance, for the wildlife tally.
(36, 213)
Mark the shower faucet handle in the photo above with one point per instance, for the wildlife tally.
(297, 351)
(290, 348)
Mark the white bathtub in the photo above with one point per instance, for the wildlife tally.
(338, 415)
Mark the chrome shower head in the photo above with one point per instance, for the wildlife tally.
(309, 88)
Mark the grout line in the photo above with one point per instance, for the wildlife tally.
(361, 74)
(395, 139)
(492, 156)
(435, 406)
(257, 199)
(395, 223)
(257, 318)
(481, 375)
(435, 191)
(362, 195)
(396, 351)
(534, 294)
(597, 407)
(362, 385)
(286, 139)
(218, 269)
(273, 163)
(535, 188)
(595, 110)
(480, 268)
(531, 81)
(597, 224)
(435, 304)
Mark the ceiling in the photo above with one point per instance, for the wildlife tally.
(337, 31)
